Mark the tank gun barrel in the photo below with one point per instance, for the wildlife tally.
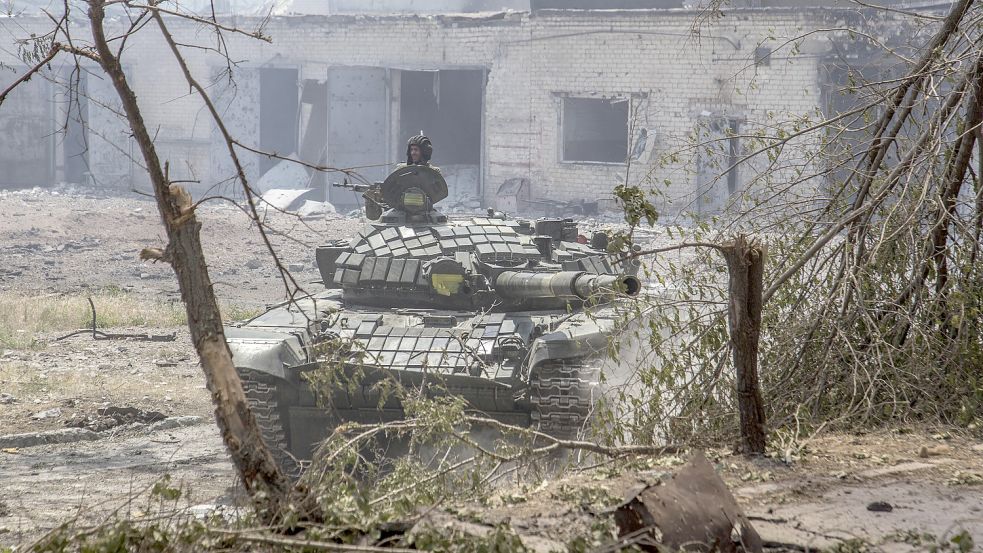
(565, 284)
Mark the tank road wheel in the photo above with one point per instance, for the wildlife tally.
(563, 394)
(263, 396)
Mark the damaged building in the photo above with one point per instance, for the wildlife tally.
(541, 104)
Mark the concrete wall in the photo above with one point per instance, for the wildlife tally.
(673, 78)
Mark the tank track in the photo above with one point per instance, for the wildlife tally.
(262, 397)
(563, 395)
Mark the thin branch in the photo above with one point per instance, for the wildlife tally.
(319, 545)
(157, 10)
(55, 48)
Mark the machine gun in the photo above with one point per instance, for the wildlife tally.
(406, 196)
(354, 187)
(375, 205)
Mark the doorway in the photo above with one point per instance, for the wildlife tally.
(278, 114)
(446, 105)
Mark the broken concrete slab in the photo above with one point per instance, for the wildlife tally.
(693, 507)
(312, 208)
(60, 436)
(287, 199)
(782, 534)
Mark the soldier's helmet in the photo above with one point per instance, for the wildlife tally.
(426, 148)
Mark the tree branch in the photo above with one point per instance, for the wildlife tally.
(55, 48)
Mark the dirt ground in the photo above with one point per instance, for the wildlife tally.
(72, 243)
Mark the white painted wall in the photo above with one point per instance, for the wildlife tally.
(676, 78)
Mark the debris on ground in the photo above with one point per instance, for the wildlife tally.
(694, 506)
(880, 507)
(171, 423)
(47, 414)
(677, 507)
(286, 199)
(934, 451)
(109, 417)
(312, 208)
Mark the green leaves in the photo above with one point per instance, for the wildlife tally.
(636, 206)
(163, 489)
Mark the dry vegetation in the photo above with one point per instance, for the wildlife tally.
(25, 318)
(28, 321)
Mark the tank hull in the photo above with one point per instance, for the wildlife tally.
(497, 362)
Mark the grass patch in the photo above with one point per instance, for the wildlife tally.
(235, 312)
(26, 319)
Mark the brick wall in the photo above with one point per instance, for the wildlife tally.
(673, 76)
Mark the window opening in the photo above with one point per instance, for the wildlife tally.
(595, 130)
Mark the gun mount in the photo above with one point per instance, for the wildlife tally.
(407, 196)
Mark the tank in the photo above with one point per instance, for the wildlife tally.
(510, 314)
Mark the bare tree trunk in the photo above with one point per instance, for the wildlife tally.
(745, 264)
(252, 459)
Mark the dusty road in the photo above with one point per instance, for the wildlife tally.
(55, 246)
(44, 486)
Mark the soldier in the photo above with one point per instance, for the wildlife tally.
(419, 149)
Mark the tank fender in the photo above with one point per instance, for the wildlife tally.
(265, 352)
(572, 341)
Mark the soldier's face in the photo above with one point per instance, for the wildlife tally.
(415, 153)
